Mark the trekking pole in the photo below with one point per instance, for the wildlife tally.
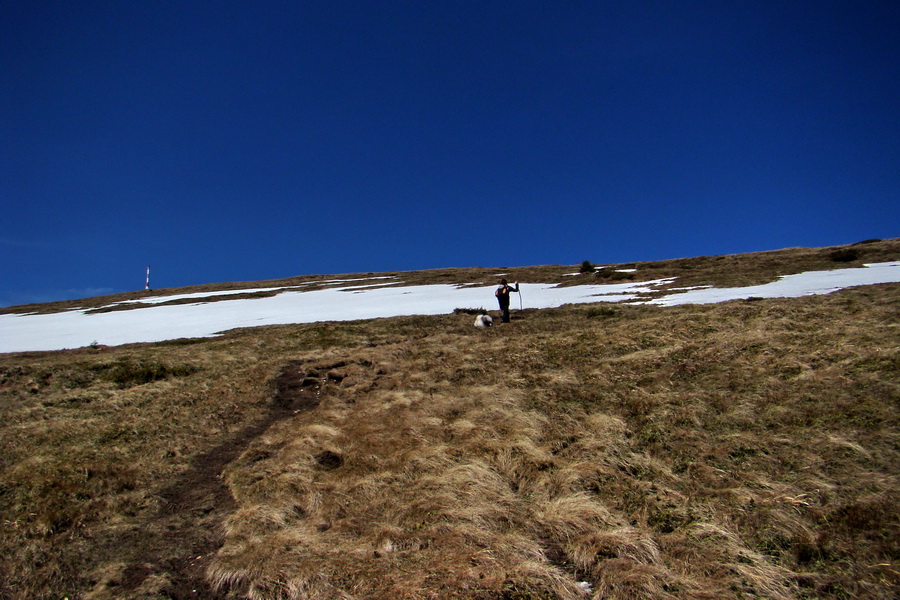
(520, 295)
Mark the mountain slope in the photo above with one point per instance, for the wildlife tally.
(730, 450)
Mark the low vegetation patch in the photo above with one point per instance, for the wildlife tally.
(844, 255)
(608, 274)
(469, 311)
(737, 450)
(128, 371)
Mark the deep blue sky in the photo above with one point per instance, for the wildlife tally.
(231, 141)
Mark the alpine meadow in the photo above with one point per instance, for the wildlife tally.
(606, 450)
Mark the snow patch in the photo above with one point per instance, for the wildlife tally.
(791, 286)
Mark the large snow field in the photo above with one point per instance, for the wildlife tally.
(151, 323)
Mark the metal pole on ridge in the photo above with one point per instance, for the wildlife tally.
(147, 283)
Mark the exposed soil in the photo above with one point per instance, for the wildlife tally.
(187, 530)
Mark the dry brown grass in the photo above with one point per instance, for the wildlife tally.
(747, 449)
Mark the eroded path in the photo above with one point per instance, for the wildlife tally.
(167, 555)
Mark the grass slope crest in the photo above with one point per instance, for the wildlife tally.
(746, 449)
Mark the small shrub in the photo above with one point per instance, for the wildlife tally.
(602, 312)
(127, 372)
(844, 255)
(613, 275)
(586, 267)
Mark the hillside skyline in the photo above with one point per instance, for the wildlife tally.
(156, 316)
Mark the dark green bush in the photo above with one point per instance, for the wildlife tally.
(844, 255)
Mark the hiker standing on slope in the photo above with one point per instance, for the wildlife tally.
(502, 294)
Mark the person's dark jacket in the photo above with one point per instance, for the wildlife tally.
(502, 294)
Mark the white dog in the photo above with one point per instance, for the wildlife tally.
(483, 321)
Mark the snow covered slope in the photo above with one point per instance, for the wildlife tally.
(369, 299)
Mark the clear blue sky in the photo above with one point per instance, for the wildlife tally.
(232, 141)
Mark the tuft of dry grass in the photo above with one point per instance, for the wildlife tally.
(746, 449)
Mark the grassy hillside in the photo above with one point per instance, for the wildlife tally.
(739, 450)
